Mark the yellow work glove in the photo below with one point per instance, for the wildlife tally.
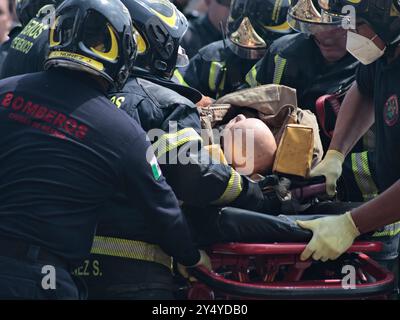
(331, 168)
(203, 262)
(332, 236)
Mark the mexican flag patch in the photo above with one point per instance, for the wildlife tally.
(155, 168)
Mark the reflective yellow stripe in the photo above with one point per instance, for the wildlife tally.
(389, 231)
(362, 174)
(251, 77)
(170, 21)
(180, 78)
(170, 141)
(232, 191)
(280, 64)
(130, 249)
(77, 57)
(215, 69)
(112, 54)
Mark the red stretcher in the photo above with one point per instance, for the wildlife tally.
(275, 271)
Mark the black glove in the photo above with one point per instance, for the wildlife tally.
(269, 195)
(277, 196)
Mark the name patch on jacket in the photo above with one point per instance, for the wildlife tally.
(42, 118)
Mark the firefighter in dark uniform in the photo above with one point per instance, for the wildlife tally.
(221, 67)
(374, 41)
(326, 68)
(14, 30)
(62, 157)
(316, 64)
(206, 29)
(314, 61)
(28, 45)
(154, 101)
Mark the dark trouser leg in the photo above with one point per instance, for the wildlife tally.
(126, 279)
(29, 280)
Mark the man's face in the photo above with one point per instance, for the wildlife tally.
(219, 10)
(332, 44)
(5, 20)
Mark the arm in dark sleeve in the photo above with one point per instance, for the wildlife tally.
(266, 68)
(194, 176)
(262, 72)
(148, 190)
(196, 75)
(365, 78)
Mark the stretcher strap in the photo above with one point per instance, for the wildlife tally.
(130, 249)
(170, 141)
(363, 176)
(320, 111)
(232, 191)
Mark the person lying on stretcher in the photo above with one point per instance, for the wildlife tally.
(250, 147)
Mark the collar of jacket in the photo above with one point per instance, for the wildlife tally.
(187, 92)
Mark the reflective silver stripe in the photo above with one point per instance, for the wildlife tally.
(280, 64)
(130, 249)
(363, 175)
(170, 141)
(232, 191)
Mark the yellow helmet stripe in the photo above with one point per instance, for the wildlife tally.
(111, 55)
(284, 27)
(171, 21)
(54, 43)
(141, 43)
(77, 57)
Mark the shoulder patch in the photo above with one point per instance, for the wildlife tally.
(391, 111)
(155, 168)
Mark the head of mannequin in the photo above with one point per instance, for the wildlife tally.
(249, 145)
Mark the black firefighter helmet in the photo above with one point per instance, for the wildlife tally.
(95, 37)
(254, 24)
(161, 27)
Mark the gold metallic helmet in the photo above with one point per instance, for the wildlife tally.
(306, 16)
(254, 24)
(382, 15)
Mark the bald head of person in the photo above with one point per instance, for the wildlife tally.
(249, 145)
